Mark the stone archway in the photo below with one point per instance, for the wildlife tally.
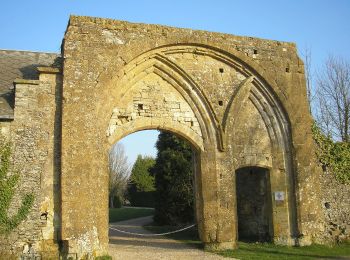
(155, 94)
(154, 91)
(226, 102)
(240, 101)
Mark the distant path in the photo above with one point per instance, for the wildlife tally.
(125, 247)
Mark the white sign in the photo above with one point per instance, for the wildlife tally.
(279, 196)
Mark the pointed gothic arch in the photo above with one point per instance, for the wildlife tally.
(253, 88)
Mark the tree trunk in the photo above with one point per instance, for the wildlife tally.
(111, 204)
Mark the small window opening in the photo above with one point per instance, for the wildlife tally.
(140, 106)
(221, 70)
(287, 69)
(221, 103)
(255, 51)
(43, 215)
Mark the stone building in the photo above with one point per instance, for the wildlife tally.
(240, 101)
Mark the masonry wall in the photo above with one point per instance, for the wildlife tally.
(335, 200)
(33, 134)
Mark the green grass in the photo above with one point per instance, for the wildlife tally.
(263, 251)
(128, 213)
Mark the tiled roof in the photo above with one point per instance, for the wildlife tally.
(19, 64)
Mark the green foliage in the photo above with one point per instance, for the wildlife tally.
(173, 172)
(8, 184)
(333, 155)
(142, 198)
(141, 187)
(141, 178)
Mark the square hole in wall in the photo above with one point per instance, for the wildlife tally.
(140, 106)
(221, 70)
(221, 103)
(255, 51)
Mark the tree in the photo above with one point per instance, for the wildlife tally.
(141, 178)
(333, 95)
(174, 181)
(119, 173)
(8, 182)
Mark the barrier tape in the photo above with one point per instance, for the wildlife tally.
(151, 235)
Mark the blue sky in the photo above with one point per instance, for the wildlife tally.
(321, 25)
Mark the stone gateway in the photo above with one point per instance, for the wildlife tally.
(240, 101)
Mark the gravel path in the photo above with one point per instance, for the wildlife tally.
(125, 247)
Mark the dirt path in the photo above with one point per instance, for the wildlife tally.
(125, 247)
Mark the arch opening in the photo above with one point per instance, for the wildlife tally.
(195, 171)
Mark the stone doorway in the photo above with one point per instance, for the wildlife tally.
(254, 204)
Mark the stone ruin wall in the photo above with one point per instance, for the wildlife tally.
(212, 61)
(154, 99)
(335, 201)
(34, 137)
(35, 131)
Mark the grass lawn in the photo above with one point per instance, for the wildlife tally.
(261, 251)
(128, 213)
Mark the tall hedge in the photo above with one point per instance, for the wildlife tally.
(173, 171)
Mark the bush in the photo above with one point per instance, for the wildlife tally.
(142, 199)
(333, 155)
(174, 200)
